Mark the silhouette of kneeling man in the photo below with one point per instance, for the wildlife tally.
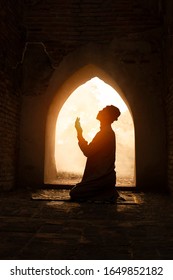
(99, 178)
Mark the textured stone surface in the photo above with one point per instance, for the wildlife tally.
(11, 46)
(62, 230)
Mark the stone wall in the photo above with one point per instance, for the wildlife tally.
(168, 66)
(44, 43)
(64, 25)
(11, 38)
(122, 38)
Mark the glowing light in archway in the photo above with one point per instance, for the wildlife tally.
(85, 102)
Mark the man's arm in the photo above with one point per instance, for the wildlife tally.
(88, 149)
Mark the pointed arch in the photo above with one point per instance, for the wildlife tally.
(59, 98)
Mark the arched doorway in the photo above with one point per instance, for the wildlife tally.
(60, 154)
(39, 115)
(85, 102)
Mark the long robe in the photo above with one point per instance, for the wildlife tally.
(99, 178)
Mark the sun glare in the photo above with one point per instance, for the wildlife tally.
(85, 102)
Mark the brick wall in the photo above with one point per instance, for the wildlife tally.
(168, 62)
(129, 30)
(11, 38)
(78, 21)
(64, 25)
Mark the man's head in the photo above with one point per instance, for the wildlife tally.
(109, 114)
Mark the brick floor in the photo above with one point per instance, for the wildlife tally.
(31, 229)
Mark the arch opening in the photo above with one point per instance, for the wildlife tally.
(85, 102)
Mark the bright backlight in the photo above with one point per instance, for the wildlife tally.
(85, 102)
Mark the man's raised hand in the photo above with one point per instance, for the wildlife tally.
(78, 126)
